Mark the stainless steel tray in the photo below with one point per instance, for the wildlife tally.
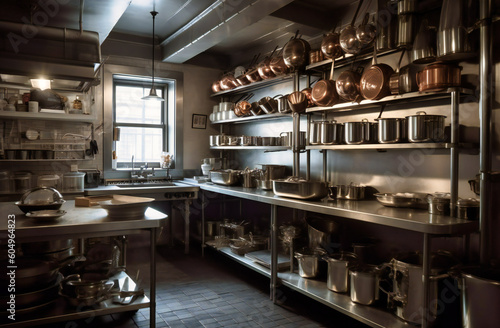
(300, 189)
(403, 199)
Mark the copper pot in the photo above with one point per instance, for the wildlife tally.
(348, 85)
(278, 66)
(375, 82)
(330, 46)
(295, 52)
(308, 93)
(228, 82)
(439, 76)
(216, 86)
(253, 75)
(264, 69)
(242, 79)
(324, 93)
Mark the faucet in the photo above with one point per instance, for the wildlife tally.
(132, 173)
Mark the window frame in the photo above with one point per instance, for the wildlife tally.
(175, 98)
(121, 81)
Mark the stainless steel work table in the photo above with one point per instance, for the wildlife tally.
(81, 222)
(365, 211)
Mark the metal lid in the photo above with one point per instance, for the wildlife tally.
(468, 202)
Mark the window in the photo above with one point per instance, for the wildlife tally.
(143, 124)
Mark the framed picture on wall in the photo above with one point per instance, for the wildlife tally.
(199, 121)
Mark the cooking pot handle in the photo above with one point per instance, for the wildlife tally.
(421, 113)
(417, 78)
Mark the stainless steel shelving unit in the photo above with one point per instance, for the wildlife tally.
(365, 211)
(426, 145)
(255, 85)
(48, 116)
(82, 222)
(266, 148)
(248, 119)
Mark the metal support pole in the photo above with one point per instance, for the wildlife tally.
(152, 277)
(274, 252)
(296, 143)
(485, 107)
(202, 223)
(426, 270)
(455, 101)
(186, 226)
(308, 152)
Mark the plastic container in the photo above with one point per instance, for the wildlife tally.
(50, 180)
(73, 181)
(22, 181)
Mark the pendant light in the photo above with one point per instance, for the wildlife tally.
(152, 93)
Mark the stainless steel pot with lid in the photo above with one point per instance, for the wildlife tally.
(360, 132)
(309, 262)
(391, 130)
(338, 270)
(425, 128)
(331, 132)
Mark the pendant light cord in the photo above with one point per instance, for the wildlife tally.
(153, 13)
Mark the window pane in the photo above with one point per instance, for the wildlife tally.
(146, 144)
(130, 108)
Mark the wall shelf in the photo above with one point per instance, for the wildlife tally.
(423, 145)
(395, 99)
(249, 119)
(267, 148)
(48, 116)
(255, 85)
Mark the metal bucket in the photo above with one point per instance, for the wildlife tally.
(320, 232)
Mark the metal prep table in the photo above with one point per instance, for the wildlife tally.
(80, 222)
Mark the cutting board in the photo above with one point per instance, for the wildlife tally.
(88, 201)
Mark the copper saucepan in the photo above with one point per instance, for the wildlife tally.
(330, 45)
(439, 76)
(264, 68)
(277, 64)
(375, 81)
(324, 93)
(348, 85)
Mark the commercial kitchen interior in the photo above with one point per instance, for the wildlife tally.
(96, 51)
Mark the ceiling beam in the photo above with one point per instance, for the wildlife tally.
(219, 21)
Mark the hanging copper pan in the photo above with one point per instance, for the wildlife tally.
(375, 81)
(324, 93)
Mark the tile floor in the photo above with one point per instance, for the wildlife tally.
(213, 291)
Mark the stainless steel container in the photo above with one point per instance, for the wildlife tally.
(480, 294)
(468, 209)
(268, 141)
(272, 171)
(425, 128)
(360, 132)
(222, 140)
(246, 141)
(249, 179)
(300, 189)
(315, 133)
(213, 140)
(283, 106)
(391, 130)
(225, 177)
(331, 133)
(439, 203)
(268, 105)
(338, 271)
(364, 285)
(407, 6)
(406, 30)
(351, 192)
(408, 287)
(309, 262)
(320, 232)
